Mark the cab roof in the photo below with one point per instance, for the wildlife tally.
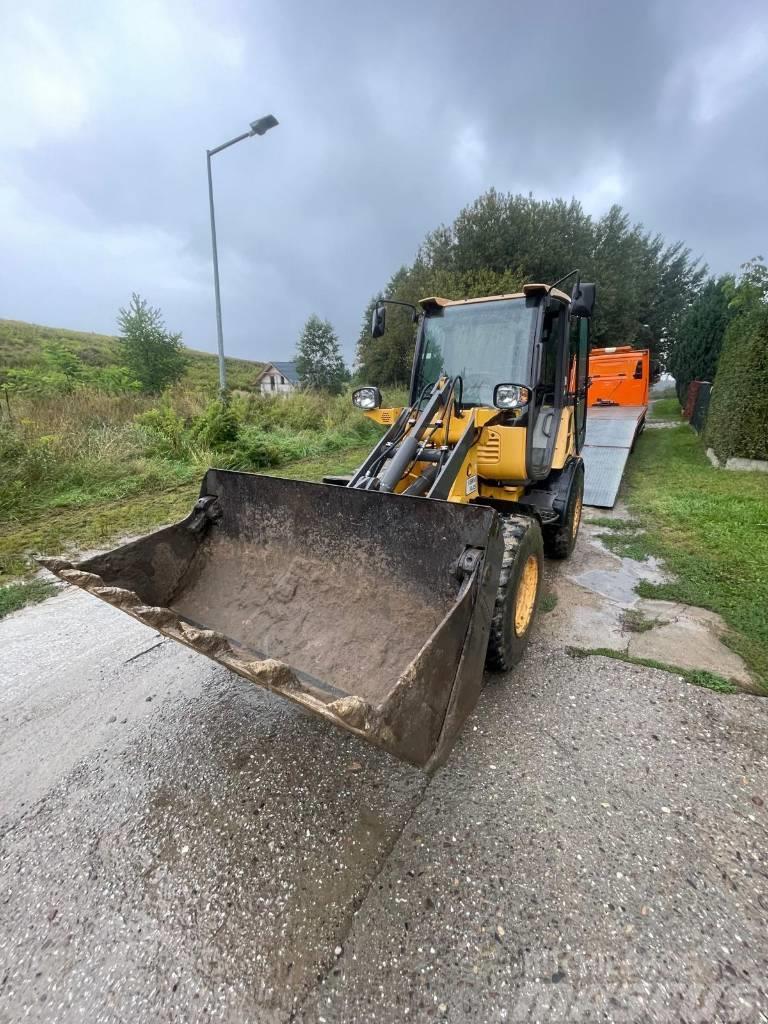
(528, 289)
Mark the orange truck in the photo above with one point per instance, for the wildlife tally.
(617, 396)
(619, 376)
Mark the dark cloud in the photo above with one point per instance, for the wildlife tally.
(391, 120)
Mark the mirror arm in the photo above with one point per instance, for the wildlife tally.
(565, 277)
(395, 302)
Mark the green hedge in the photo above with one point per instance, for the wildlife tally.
(696, 348)
(737, 424)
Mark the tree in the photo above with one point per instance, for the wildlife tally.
(319, 363)
(60, 359)
(502, 240)
(700, 334)
(154, 355)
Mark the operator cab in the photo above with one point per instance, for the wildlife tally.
(525, 354)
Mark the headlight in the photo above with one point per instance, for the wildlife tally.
(510, 396)
(366, 398)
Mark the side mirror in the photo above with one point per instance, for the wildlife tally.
(583, 299)
(378, 321)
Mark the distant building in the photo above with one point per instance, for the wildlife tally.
(278, 379)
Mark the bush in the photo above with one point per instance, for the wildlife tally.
(39, 382)
(737, 424)
(88, 447)
(257, 449)
(166, 431)
(218, 426)
(113, 380)
(51, 380)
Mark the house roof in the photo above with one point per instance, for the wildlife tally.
(288, 370)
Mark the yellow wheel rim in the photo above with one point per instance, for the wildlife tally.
(577, 515)
(526, 595)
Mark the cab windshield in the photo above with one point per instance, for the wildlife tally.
(486, 343)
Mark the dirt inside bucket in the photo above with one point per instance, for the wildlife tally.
(346, 627)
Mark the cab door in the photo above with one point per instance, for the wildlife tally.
(579, 375)
(548, 394)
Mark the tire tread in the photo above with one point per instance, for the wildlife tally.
(514, 529)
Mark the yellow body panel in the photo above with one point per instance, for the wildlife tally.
(501, 453)
(565, 446)
(385, 416)
(511, 492)
(498, 455)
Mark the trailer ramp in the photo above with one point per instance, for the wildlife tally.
(611, 434)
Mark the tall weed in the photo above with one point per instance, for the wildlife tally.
(89, 446)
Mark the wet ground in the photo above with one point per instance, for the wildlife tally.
(177, 845)
(598, 607)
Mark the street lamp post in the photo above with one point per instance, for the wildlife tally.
(258, 127)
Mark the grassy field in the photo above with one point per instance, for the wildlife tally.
(84, 528)
(83, 469)
(21, 346)
(709, 526)
(83, 465)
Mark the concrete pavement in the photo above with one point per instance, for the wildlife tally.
(177, 845)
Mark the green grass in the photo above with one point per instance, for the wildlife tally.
(326, 465)
(17, 595)
(710, 528)
(627, 545)
(697, 677)
(83, 528)
(665, 409)
(548, 603)
(21, 346)
(615, 524)
(635, 621)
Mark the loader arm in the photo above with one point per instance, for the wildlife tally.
(415, 457)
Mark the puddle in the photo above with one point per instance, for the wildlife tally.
(618, 582)
(596, 587)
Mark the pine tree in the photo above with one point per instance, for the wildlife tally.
(699, 338)
(319, 362)
(154, 356)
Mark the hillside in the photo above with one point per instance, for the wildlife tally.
(21, 346)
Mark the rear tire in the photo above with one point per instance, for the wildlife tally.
(559, 541)
(518, 595)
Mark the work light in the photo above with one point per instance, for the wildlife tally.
(510, 396)
(366, 398)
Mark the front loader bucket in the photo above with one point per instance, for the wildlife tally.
(371, 610)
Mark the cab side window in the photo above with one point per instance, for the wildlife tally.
(549, 345)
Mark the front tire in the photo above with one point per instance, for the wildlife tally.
(518, 595)
(559, 541)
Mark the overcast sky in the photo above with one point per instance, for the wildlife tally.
(392, 117)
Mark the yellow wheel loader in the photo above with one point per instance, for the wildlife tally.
(375, 601)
